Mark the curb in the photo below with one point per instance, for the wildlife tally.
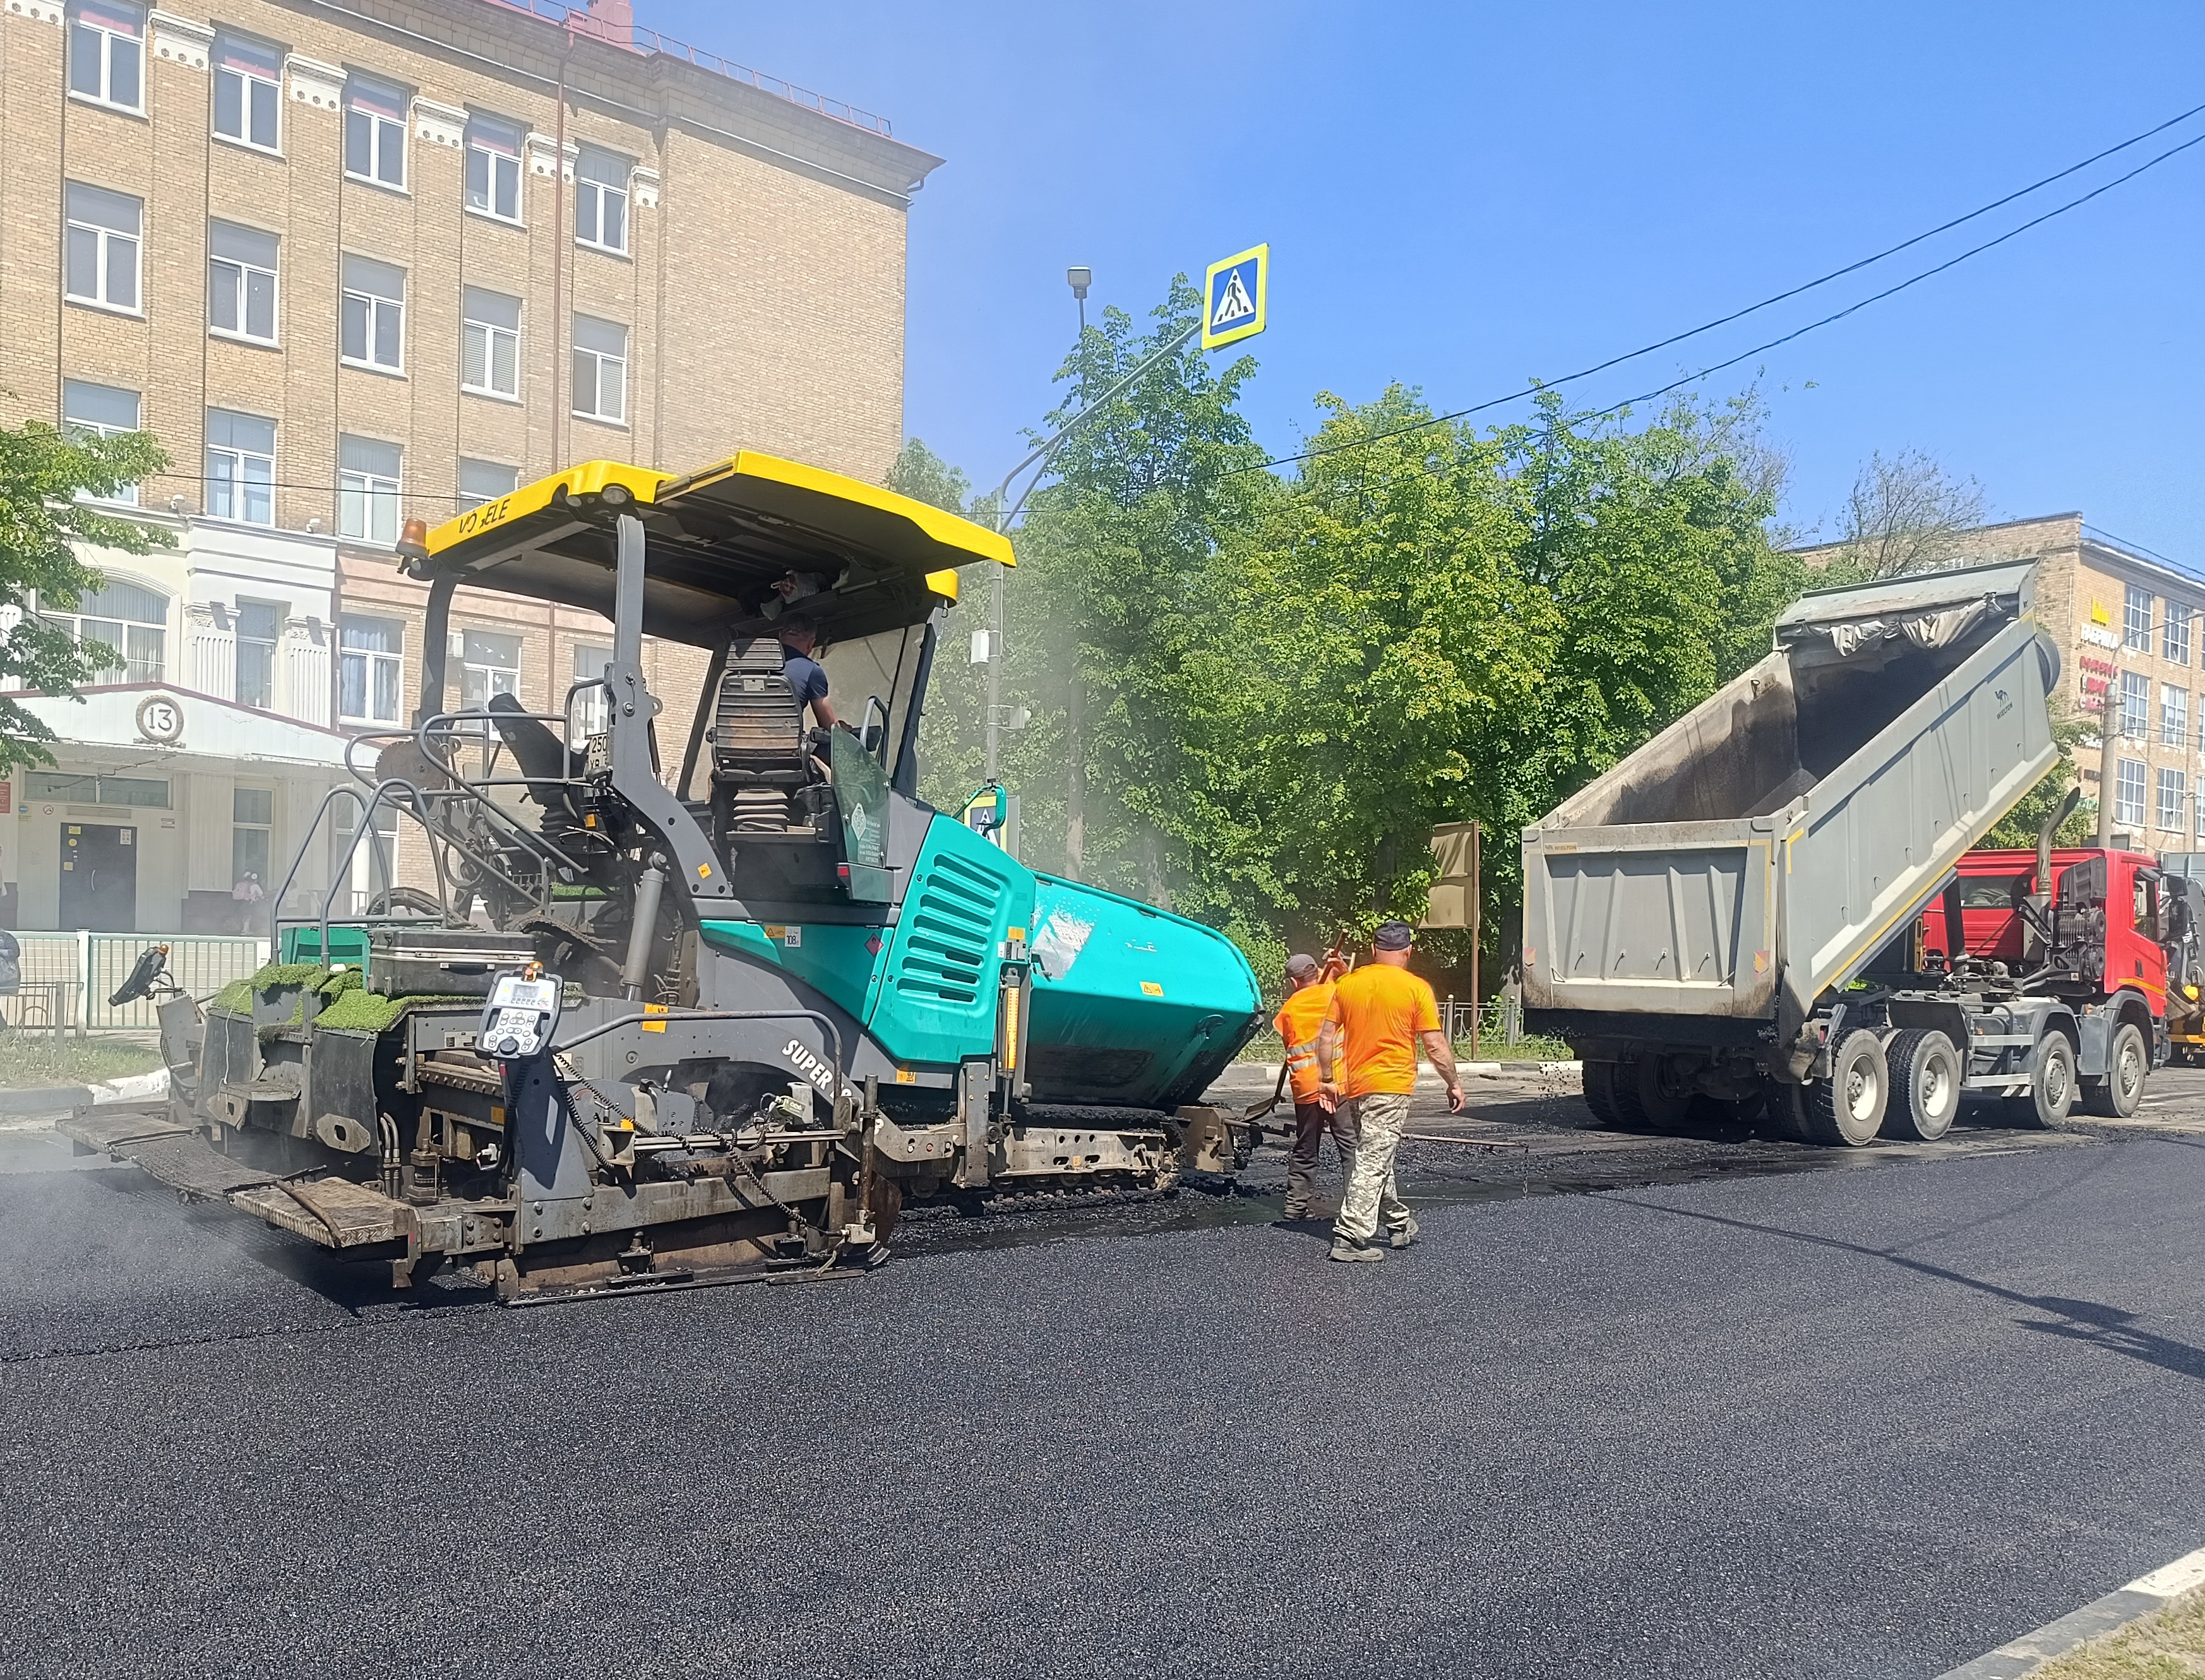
(60, 1099)
(2095, 1620)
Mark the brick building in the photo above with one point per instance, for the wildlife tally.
(2130, 619)
(351, 263)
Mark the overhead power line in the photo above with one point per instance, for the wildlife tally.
(1534, 388)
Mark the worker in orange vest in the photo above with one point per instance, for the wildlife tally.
(1366, 1053)
(1309, 998)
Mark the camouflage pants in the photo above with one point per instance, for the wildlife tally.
(1376, 1121)
(1312, 1120)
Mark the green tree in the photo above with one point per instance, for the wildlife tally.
(45, 473)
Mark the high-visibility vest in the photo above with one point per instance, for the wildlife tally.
(1298, 1019)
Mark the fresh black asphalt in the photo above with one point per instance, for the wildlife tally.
(1856, 1424)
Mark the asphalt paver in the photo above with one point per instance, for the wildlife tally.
(1844, 1422)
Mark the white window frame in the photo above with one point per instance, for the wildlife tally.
(592, 711)
(273, 642)
(471, 668)
(2173, 794)
(372, 307)
(367, 499)
(375, 666)
(2136, 619)
(131, 636)
(105, 42)
(2136, 706)
(81, 424)
(597, 361)
(600, 197)
(379, 127)
(104, 239)
(239, 480)
(492, 335)
(250, 83)
(2173, 715)
(237, 273)
(2174, 639)
(2128, 793)
(469, 499)
(496, 163)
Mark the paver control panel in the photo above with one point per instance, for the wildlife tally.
(520, 1017)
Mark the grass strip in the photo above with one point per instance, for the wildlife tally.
(2168, 1644)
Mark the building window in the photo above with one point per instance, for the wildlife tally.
(600, 369)
(240, 468)
(375, 131)
(242, 282)
(100, 411)
(107, 54)
(368, 489)
(494, 169)
(259, 624)
(2175, 644)
(489, 342)
(491, 664)
(482, 481)
(2136, 620)
(368, 651)
(2173, 715)
(2136, 705)
(592, 712)
(246, 79)
(373, 333)
(252, 817)
(146, 793)
(372, 864)
(2128, 795)
(129, 619)
(105, 230)
(600, 200)
(2173, 790)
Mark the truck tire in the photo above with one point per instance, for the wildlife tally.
(1644, 1100)
(2120, 1093)
(1600, 1094)
(2052, 1087)
(1848, 1107)
(1926, 1082)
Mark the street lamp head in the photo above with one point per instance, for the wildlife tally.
(1080, 280)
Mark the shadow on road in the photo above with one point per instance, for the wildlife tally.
(2113, 1328)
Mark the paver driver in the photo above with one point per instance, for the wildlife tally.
(652, 1029)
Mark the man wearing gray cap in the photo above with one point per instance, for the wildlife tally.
(1309, 997)
(1366, 1056)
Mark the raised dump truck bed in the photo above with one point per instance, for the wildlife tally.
(1704, 909)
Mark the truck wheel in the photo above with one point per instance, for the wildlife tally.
(2120, 1093)
(1644, 1100)
(1848, 1106)
(2053, 1092)
(1925, 1084)
(1600, 1094)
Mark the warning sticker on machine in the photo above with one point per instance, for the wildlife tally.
(1057, 946)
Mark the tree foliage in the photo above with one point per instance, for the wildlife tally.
(44, 523)
(1252, 696)
(1907, 514)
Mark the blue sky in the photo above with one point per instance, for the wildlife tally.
(1459, 197)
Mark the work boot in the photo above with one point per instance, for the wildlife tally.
(1295, 1210)
(1346, 1248)
(1405, 1234)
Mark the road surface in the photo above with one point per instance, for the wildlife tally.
(1707, 1414)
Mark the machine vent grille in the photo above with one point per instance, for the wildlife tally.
(946, 951)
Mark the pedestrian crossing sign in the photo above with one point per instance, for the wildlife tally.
(1235, 298)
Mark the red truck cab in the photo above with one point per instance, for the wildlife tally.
(2096, 942)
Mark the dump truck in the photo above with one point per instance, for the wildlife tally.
(1724, 924)
(674, 1002)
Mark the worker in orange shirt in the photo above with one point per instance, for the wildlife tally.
(1309, 998)
(1366, 1055)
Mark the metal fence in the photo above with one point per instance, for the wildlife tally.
(1500, 1020)
(68, 978)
